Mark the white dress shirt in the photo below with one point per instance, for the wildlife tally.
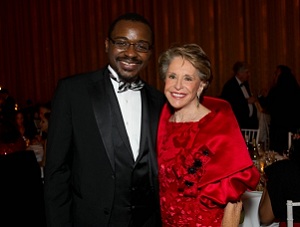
(131, 108)
(245, 92)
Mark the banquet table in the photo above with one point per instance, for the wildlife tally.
(250, 203)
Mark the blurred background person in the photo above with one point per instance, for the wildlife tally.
(282, 184)
(31, 113)
(7, 103)
(38, 143)
(44, 129)
(42, 110)
(282, 104)
(10, 138)
(20, 177)
(237, 92)
(26, 128)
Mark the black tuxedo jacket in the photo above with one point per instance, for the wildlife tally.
(233, 93)
(80, 163)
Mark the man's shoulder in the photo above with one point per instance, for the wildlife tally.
(96, 74)
(231, 82)
(230, 87)
(80, 80)
(216, 103)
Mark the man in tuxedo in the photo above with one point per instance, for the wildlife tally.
(237, 92)
(101, 165)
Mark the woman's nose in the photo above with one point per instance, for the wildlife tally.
(178, 84)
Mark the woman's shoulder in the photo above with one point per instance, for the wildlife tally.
(211, 101)
(217, 104)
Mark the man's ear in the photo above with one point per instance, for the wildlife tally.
(106, 45)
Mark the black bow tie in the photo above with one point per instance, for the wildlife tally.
(137, 85)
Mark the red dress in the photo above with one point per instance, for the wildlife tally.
(202, 166)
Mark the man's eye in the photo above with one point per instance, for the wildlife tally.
(142, 46)
(121, 43)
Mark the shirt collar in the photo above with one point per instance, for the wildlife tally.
(113, 72)
(240, 82)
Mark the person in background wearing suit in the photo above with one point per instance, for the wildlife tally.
(237, 92)
(101, 167)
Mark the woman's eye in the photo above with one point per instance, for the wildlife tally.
(188, 78)
(171, 76)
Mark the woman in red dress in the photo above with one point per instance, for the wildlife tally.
(203, 160)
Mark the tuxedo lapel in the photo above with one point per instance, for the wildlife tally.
(103, 114)
(107, 113)
(117, 119)
(145, 131)
(150, 114)
(236, 88)
(246, 84)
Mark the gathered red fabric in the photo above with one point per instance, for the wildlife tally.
(202, 166)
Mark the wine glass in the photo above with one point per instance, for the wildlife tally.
(286, 153)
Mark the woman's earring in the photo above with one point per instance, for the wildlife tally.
(198, 100)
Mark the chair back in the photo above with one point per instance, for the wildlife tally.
(250, 134)
(290, 136)
(289, 205)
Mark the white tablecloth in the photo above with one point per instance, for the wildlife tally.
(250, 203)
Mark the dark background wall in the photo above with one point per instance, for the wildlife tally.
(42, 41)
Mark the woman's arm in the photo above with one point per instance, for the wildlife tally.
(232, 214)
(265, 211)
